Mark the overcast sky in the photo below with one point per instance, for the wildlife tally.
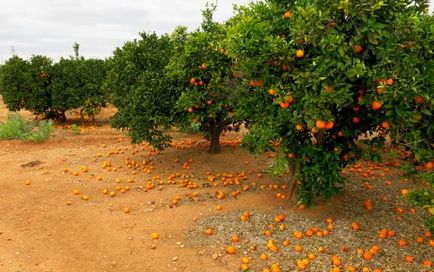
(50, 27)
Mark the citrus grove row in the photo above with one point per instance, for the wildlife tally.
(305, 79)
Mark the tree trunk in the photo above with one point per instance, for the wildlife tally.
(215, 146)
(293, 169)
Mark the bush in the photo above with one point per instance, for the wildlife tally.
(17, 128)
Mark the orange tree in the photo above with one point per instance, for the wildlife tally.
(330, 71)
(144, 97)
(208, 84)
(77, 84)
(24, 84)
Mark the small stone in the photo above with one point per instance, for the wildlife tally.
(175, 259)
(153, 247)
(215, 256)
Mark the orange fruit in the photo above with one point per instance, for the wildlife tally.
(235, 238)
(376, 105)
(299, 53)
(402, 243)
(321, 124)
(298, 248)
(419, 99)
(356, 119)
(287, 15)
(391, 233)
(27, 182)
(85, 197)
(209, 231)
(126, 210)
(419, 240)
(155, 236)
(272, 92)
(367, 256)
(311, 256)
(330, 124)
(385, 124)
(409, 259)
(284, 105)
(358, 48)
(351, 268)
(301, 265)
(230, 250)
(427, 263)
(263, 257)
(274, 248)
(190, 110)
(389, 81)
(355, 226)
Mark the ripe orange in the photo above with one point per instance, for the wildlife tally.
(330, 125)
(409, 259)
(299, 127)
(419, 99)
(272, 92)
(356, 119)
(263, 257)
(85, 197)
(235, 238)
(376, 105)
(391, 233)
(284, 105)
(367, 256)
(126, 210)
(402, 243)
(287, 15)
(190, 110)
(192, 80)
(299, 53)
(321, 124)
(419, 240)
(429, 165)
(358, 48)
(355, 226)
(209, 231)
(230, 250)
(298, 248)
(311, 256)
(385, 125)
(389, 81)
(155, 236)
(427, 263)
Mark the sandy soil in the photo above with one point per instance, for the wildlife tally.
(45, 227)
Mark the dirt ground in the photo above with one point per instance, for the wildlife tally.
(44, 226)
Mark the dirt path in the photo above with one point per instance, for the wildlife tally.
(45, 227)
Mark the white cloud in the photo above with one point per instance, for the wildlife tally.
(50, 27)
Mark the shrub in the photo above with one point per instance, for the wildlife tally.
(17, 128)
